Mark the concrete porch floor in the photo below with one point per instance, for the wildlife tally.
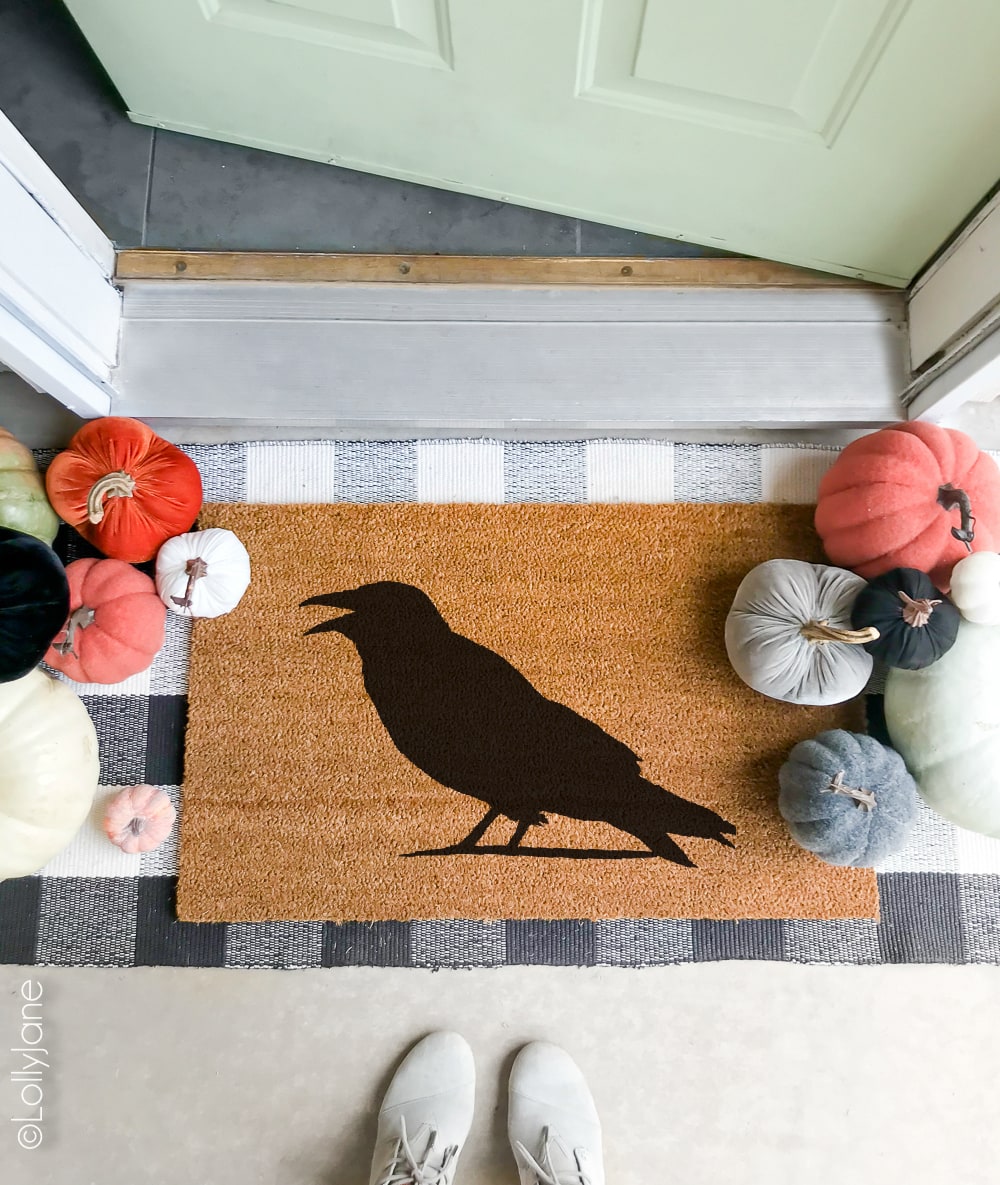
(728, 1074)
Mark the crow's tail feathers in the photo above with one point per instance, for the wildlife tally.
(653, 812)
(664, 847)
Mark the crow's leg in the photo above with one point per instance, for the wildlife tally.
(519, 834)
(477, 833)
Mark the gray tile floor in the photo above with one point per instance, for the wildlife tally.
(153, 188)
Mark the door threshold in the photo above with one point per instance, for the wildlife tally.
(484, 346)
(234, 431)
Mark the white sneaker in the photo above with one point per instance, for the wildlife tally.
(426, 1114)
(552, 1121)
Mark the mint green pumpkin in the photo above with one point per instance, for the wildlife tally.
(23, 504)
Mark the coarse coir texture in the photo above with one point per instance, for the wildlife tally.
(298, 804)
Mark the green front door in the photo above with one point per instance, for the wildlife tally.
(846, 135)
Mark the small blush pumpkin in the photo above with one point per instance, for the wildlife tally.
(139, 819)
(34, 602)
(909, 496)
(125, 489)
(116, 623)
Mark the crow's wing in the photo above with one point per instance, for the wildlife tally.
(455, 708)
(518, 699)
(467, 717)
(570, 728)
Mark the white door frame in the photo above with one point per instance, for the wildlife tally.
(60, 314)
(954, 322)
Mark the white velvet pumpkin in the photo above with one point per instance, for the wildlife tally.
(203, 573)
(945, 721)
(789, 636)
(975, 587)
(48, 771)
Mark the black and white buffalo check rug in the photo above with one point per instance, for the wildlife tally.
(95, 906)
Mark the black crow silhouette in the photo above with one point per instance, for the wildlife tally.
(474, 723)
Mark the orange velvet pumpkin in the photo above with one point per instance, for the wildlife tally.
(909, 496)
(116, 623)
(124, 488)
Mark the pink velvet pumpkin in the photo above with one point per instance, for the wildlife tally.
(140, 818)
(116, 623)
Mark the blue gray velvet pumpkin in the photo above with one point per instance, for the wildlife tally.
(34, 601)
(847, 798)
(916, 622)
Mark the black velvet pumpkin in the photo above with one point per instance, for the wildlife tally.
(34, 602)
(917, 624)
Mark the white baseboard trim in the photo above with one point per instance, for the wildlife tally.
(480, 359)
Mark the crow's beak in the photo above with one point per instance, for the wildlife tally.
(337, 600)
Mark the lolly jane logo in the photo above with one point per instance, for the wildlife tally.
(29, 1068)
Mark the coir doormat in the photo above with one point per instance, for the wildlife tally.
(494, 712)
(519, 711)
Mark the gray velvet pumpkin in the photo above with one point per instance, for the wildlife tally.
(847, 797)
(789, 635)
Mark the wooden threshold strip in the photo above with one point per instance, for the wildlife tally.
(471, 269)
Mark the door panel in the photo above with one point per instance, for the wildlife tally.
(799, 85)
(846, 135)
(413, 31)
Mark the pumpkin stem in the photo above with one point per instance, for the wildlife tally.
(862, 798)
(949, 497)
(112, 485)
(196, 569)
(79, 620)
(917, 613)
(822, 631)
(137, 825)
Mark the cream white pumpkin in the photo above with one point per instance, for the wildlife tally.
(202, 573)
(48, 771)
(975, 587)
(945, 722)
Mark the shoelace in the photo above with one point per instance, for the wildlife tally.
(545, 1171)
(406, 1168)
